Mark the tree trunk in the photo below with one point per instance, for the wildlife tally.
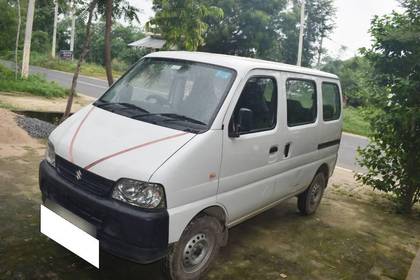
(411, 191)
(28, 37)
(407, 199)
(54, 36)
(17, 40)
(85, 50)
(108, 29)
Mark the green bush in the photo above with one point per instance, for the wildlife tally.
(355, 121)
(392, 157)
(35, 84)
(40, 41)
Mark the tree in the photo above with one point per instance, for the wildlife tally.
(183, 23)
(357, 80)
(8, 21)
(40, 42)
(246, 29)
(28, 37)
(393, 156)
(269, 29)
(85, 50)
(107, 53)
(325, 13)
(319, 23)
(114, 10)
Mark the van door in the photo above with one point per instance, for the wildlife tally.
(248, 161)
(301, 106)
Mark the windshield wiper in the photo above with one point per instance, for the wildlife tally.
(172, 117)
(125, 104)
(176, 117)
(132, 106)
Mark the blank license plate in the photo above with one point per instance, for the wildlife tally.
(70, 236)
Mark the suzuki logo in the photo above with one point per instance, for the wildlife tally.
(78, 174)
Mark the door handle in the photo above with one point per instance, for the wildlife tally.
(274, 149)
(286, 150)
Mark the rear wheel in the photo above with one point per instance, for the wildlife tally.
(193, 254)
(309, 200)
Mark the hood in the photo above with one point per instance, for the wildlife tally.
(114, 146)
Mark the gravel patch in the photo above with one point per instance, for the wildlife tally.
(35, 127)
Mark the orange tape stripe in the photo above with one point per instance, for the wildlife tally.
(76, 133)
(133, 148)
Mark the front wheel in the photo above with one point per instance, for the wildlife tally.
(309, 200)
(193, 254)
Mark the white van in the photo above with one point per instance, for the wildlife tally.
(186, 145)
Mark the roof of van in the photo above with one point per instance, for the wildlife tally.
(239, 63)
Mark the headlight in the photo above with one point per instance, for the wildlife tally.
(50, 154)
(140, 194)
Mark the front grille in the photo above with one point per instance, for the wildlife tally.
(87, 181)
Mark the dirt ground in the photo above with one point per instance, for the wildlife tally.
(354, 235)
(25, 102)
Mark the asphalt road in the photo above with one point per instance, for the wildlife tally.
(86, 85)
(96, 87)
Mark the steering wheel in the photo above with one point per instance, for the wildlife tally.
(159, 99)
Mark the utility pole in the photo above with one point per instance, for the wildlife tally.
(17, 40)
(28, 37)
(302, 26)
(73, 26)
(320, 52)
(54, 38)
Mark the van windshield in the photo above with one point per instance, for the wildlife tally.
(179, 94)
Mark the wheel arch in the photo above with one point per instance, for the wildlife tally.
(217, 212)
(181, 222)
(324, 168)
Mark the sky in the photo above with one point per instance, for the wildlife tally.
(352, 23)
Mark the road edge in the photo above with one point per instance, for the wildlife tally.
(355, 135)
(60, 71)
(414, 272)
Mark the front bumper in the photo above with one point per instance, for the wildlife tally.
(123, 230)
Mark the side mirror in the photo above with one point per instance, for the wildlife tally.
(245, 119)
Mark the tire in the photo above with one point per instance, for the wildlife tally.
(309, 200)
(191, 257)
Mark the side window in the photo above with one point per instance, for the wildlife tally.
(331, 102)
(259, 98)
(301, 102)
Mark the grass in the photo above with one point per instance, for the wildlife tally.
(354, 122)
(35, 84)
(88, 69)
(6, 106)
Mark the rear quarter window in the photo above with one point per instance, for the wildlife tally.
(331, 101)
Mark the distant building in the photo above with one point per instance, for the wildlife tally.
(151, 42)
